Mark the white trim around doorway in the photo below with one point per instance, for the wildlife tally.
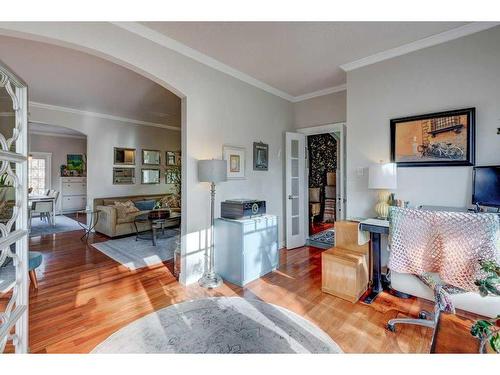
(339, 131)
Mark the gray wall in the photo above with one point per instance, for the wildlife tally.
(327, 109)
(59, 147)
(458, 74)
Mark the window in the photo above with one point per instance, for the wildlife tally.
(39, 173)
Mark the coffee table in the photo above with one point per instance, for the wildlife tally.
(158, 223)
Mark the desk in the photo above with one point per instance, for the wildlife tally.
(45, 198)
(376, 228)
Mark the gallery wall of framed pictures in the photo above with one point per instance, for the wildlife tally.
(124, 165)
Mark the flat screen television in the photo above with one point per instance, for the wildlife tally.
(486, 186)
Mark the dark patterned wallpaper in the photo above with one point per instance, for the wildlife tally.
(322, 158)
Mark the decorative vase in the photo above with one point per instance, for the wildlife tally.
(382, 207)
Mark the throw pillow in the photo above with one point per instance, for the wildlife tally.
(330, 192)
(145, 205)
(171, 201)
(125, 208)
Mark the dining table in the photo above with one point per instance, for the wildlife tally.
(45, 198)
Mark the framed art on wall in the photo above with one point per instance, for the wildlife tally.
(435, 139)
(123, 176)
(260, 156)
(150, 176)
(173, 158)
(150, 157)
(124, 156)
(235, 157)
(75, 164)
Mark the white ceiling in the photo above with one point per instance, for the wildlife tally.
(296, 57)
(65, 77)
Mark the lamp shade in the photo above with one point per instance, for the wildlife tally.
(213, 170)
(383, 176)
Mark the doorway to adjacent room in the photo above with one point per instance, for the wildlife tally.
(315, 184)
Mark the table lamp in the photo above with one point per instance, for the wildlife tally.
(382, 177)
(212, 171)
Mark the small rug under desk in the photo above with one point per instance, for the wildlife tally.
(323, 240)
(135, 254)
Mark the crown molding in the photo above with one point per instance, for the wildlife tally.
(52, 134)
(459, 32)
(164, 41)
(101, 115)
(315, 94)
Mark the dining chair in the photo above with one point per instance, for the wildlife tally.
(43, 209)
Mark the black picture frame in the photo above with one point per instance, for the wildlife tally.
(260, 156)
(433, 155)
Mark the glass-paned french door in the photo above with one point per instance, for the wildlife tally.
(13, 212)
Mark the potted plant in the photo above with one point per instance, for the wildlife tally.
(488, 330)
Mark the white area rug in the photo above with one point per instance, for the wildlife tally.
(63, 224)
(141, 253)
(220, 325)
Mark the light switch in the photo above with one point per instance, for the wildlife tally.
(360, 171)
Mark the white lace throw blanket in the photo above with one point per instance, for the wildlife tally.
(451, 244)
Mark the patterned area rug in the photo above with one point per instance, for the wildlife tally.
(324, 239)
(220, 325)
(63, 224)
(141, 253)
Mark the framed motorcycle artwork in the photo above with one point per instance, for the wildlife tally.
(435, 139)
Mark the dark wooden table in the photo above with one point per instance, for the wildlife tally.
(375, 234)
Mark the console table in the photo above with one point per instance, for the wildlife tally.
(246, 249)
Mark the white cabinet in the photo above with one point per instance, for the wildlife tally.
(73, 194)
(246, 249)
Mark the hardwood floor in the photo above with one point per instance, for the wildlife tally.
(84, 297)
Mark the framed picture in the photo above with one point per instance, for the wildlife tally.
(124, 156)
(150, 157)
(173, 158)
(235, 157)
(74, 162)
(150, 176)
(123, 176)
(260, 156)
(435, 139)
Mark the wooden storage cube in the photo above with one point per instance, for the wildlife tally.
(346, 236)
(345, 273)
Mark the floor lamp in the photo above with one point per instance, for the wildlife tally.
(212, 171)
